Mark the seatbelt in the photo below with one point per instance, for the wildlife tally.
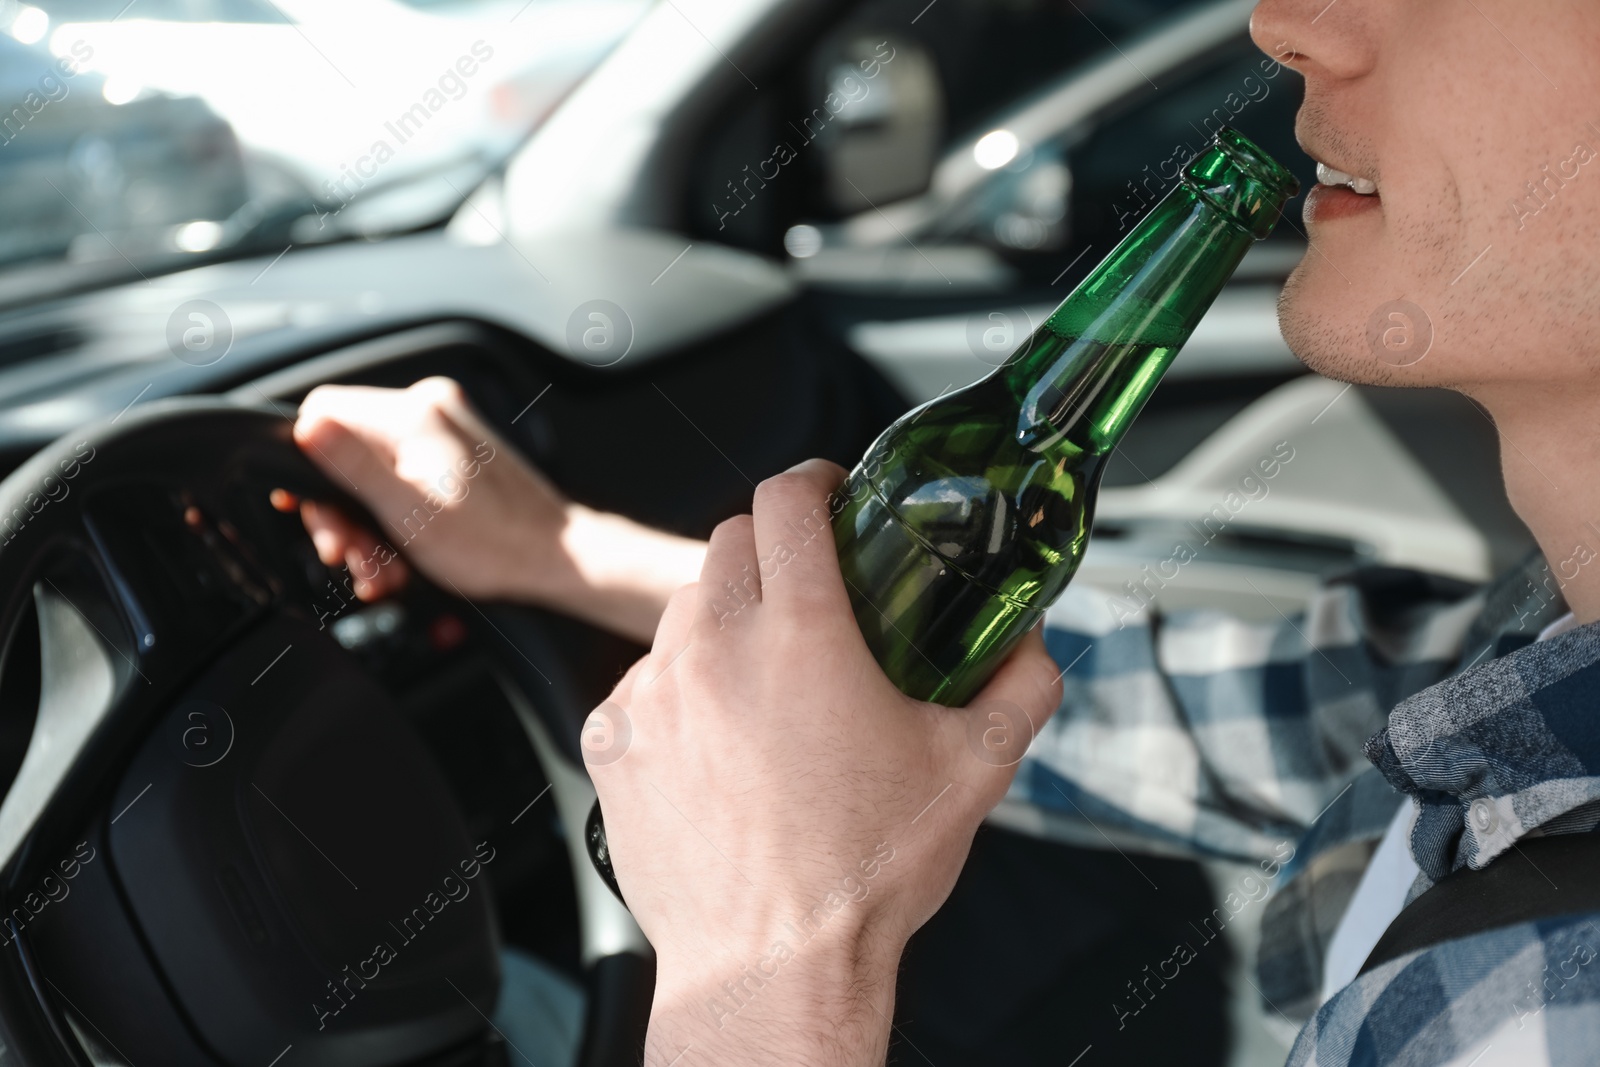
(1537, 878)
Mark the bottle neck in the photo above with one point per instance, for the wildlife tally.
(1087, 371)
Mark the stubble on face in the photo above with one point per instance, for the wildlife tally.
(1454, 124)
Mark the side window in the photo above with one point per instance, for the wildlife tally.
(861, 115)
(1131, 158)
(1047, 205)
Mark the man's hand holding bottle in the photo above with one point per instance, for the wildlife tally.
(857, 805)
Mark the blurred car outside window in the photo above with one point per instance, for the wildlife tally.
(146, 131)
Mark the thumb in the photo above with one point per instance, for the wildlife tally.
(1028, 679)
(1000, 723)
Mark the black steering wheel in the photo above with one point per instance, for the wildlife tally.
(221, 843)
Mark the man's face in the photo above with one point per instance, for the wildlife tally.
(1457, 271)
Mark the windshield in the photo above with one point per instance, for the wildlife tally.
(147, 134)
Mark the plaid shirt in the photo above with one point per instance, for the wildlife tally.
(1274, 744)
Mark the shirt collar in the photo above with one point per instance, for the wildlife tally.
(1499, 750)
(1569, 621)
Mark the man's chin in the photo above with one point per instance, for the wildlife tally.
(1334, 337)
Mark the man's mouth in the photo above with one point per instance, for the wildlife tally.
(1327, 175)
(1340, 194)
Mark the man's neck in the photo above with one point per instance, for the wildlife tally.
(1550, 458)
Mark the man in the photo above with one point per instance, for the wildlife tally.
(784, 819)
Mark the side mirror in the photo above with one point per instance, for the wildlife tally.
(879, 121)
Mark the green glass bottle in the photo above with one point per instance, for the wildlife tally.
(970, 514)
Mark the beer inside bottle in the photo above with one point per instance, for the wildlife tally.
(969, 515)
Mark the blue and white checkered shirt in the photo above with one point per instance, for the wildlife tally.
(1275, 744)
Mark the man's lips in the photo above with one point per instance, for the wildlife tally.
(1327, 202)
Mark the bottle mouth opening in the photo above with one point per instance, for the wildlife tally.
(1234, 175)
(1261, 165)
